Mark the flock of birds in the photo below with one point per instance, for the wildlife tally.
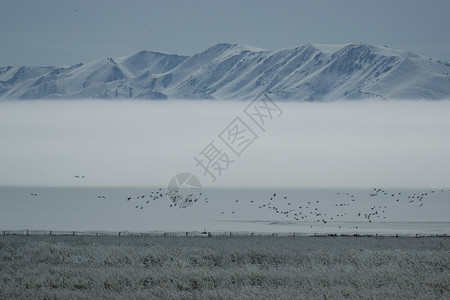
(313, 211)
(147, 199)
(346, 205)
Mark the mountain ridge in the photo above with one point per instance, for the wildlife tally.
(310, 72)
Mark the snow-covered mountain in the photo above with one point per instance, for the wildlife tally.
(228, 71)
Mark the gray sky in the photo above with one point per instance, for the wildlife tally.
(54, 32)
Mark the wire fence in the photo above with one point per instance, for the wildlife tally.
(204, 234)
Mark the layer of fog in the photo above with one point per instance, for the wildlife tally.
(145, 143)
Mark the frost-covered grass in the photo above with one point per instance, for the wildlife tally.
(258, 267)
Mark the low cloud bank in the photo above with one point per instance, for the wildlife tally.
(144, 143)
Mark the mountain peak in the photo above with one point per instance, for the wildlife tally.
(329, 48)
(235, 47)
(312, 72)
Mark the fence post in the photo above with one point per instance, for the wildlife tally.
(294, 234)
(230, 233)
(119, 233)
(186, 233)
(73, 233)
(4, 233)
(164, 234)
(50, 232)
(27, 232)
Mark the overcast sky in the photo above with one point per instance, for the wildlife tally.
(54, 32)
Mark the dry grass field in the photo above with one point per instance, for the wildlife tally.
(252, 267)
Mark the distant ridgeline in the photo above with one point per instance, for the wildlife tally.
(227, 71)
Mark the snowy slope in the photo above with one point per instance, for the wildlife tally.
(227, 71)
